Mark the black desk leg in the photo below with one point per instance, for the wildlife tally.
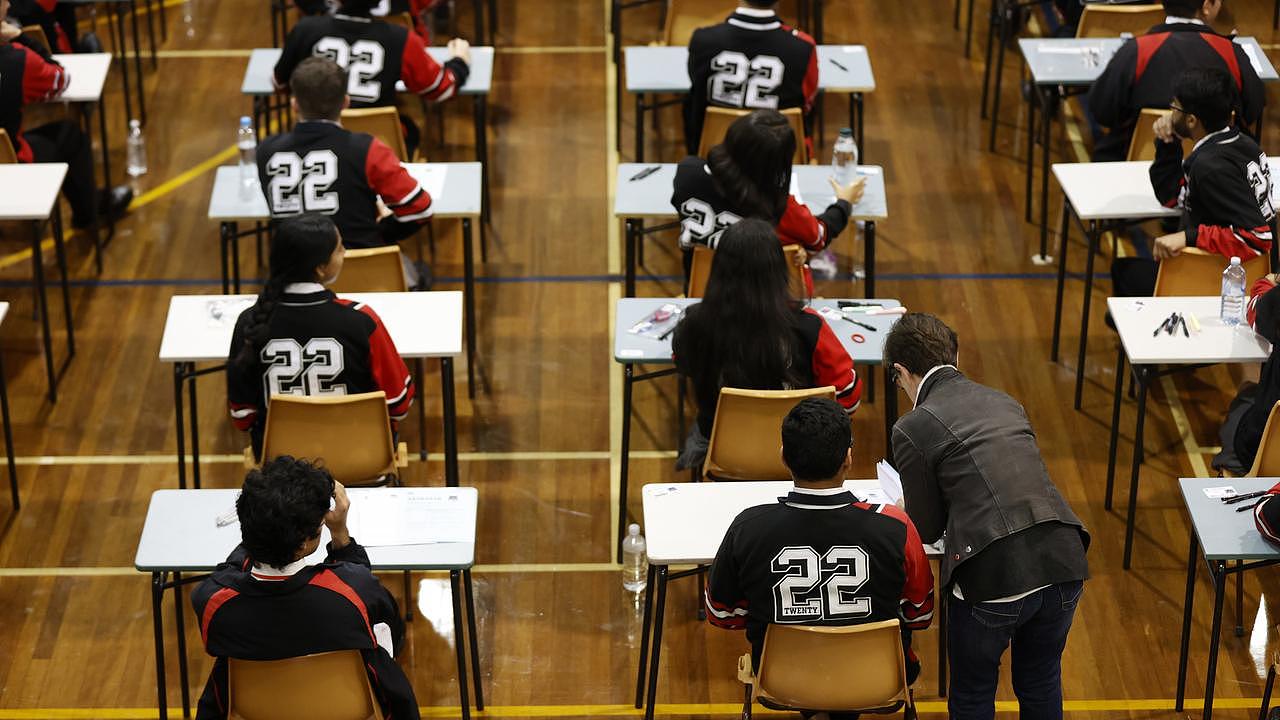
(855, 101)
(224, 243)
(408, 596)
(1092, 239)
(1239, 599)
(995, 91)
(195, 432)
(157, 628)
(890, 410)
(943, 646)
(8, 441)
(60, 255)
(179, 373)
(469, 300)
(1218, 569)
(644, 637)
(655, 655)
(1031, 145)
(639, 127)
(458, 644)
(151, 31)
(1062, 279)
(1115, 426)
(993, 22)
(869, 237)
(631, 232)
(37, 262)
(118, 39)
(182, 644)
(1144, 374)
(472, 641)
(1189, 599)
(137, 62)
(481, 109)
(450, 423)
(235, 256)
(1046, 124)
(968, 31)
(628, 380)
(477, 6)
(422, 410)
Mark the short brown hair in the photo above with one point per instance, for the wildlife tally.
(319, 86)
(920, 342)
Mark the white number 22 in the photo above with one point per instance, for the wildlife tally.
(294, 369)
(363, 60)
(847, 569)
(302, 184)
(737, 81)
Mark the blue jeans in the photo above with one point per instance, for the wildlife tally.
(977, 636)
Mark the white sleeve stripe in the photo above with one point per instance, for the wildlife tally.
(413, 195)
(721, 614)
(434, 85)
(240, 414)
(416, 216)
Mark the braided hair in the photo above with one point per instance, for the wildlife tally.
(299, 245)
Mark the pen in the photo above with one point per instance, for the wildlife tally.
(838, 64)
(1250, 506)
(644, 173)
(872, 328)
(1237, 498)
(667, 334)
(1162, 326)
(1183, 322)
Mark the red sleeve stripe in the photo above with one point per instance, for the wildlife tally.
(330, 581)
(219, 599)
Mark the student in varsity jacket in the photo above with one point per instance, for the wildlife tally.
(1142, 73)
(1246, 420)
(749, 176)
(267, 603)
(1223, 186)
(794, 561)
(416, 9)
(299, 338)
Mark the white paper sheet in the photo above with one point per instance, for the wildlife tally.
(890, 482)
(393, 517)
(795, 189)
(431, 177)
(1253, 57)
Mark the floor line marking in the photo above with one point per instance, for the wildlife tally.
(495, 568)
(613, 267)
(436, 457)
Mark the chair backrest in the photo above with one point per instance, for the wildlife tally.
(685, 16)
(1194, 272)
(36, 34)
(717, 121)
(8, 154)
(856, 667)
(350, 433)
(326, 686)
(700, 270)
(1143, 144)
(380, 122)
(744, 438)
(371, 270)
(1099, 20)
(1267, 462)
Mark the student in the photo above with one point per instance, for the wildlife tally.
(266, 603)
(301, 339)
(1014, 553)
(749, 176)
(375, 55)
(749, 332)
(29, 75)
(1223, 186)
(751, 61)
(1241, 432)
(820, 530)
(1142, 73)
(416, 9)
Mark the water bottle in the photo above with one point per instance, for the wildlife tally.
(844, 159)
(1232, 311)
(136, 151)
(635, 561)
(247, 142)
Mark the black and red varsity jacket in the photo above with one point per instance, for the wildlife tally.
(415, 8)
(1143, 71)
(251, 615)
(27, 76)
(753, 61)
(41, 12)
(819, 557)
(1224, 189)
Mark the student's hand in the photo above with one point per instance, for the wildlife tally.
(9, 32)
(1166, 246)
(850, 193)
(382, 209)
(1163, 128)
(460, 48)
(336, 519)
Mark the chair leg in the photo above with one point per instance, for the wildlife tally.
(746, 701)
(1266, 692)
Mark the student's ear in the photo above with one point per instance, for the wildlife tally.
(293, 104)
(346, 101)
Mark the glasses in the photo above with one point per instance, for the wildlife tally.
(1172, 106)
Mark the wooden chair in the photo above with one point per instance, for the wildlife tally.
(350, 433)
(1267, 462)
(1108, 21)
(36, 34)
(745, 439)
(700, 270)
(1142, 146)
(325, 686)
(371, 270)
(856, 668)
(380, 122)
(717, 121)
(1194, 272)
(8, 154)
(685, 16)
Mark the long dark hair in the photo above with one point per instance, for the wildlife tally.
(752, 167)
(299, 245)
(742, 334)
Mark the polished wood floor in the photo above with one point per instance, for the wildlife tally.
(558, 633)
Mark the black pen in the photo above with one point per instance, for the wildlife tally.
(1183, 322)
(644, 173)
(1244, 496)
(1250, 506)
(1163, 325)
(838, 64)
(872, 328)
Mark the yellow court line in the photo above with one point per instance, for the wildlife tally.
(219, 459)
(495, 568)
(614, 267)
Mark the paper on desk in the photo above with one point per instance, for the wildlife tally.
(1075, 50)
(431, 178)
(395, 517)
(890, 482)
(226, 312)
(1253, 57)
(1223, 491)
(795, 189)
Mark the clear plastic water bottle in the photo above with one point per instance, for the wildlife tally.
(247, 142)
(635, 561)
(136, 151)
(1232, 311)
(844, 159)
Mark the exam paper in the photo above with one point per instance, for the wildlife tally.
(397, 517)
(795, 189)
(431, 177)
(1253, 57)
(890, 482)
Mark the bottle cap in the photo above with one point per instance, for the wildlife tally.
(135, 123)
(1235, 260)
(633, 529)
(846, 132)
(245, 121)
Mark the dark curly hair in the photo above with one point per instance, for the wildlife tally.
(281, 506)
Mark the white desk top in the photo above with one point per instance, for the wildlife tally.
(180, 533)
(4, 310)
(422, 324)
(88, 74)
(629, 348)
(1224, 533)
(1079, 61)
(30, 190)
(1136, 318)
(1110, 191)
(462, 194)
(650, 197)
(262, 65)
(664, 69)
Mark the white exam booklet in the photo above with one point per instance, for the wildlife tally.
(890, 482)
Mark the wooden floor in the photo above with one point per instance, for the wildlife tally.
(558, 633)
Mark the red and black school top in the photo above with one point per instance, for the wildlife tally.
(27, 75)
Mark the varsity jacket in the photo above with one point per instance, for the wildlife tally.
(1224, 189)
(27, 75)
(376, 55)
(819, 360)
(253, 613)
(1263, 314)
(819, 557)
(751, 61)
(319, 344)
(322, 167)
(41, 12)
(1143, 71)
